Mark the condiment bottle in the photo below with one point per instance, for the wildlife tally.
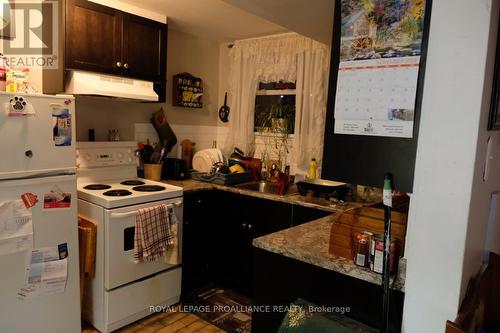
(312, 169)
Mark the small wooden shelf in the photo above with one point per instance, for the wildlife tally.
(187, 91)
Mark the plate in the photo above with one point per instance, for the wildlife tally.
(202, 162)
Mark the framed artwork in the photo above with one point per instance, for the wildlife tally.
(494, 121)
(7, 22)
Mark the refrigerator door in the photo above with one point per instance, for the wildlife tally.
(51, 227)
(37, 135)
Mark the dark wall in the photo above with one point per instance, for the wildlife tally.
(365, 159)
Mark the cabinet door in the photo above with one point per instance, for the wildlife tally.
(303, 214)
(228, 242)
(267, 216)
(198, 236)
(93, 37)
(144, 48)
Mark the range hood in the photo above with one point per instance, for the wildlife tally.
(88, 83)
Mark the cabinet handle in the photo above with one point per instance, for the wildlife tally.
(118, 64)
(249, 227)
(125, 65)
(244, 225)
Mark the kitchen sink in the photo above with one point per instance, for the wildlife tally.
(266, 187)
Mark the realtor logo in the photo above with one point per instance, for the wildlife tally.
(29, 32)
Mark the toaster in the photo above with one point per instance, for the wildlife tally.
(174, 169)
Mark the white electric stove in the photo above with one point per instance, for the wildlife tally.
(110, 194)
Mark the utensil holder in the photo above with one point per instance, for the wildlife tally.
(152, 171)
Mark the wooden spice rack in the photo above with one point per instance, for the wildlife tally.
(187, 91)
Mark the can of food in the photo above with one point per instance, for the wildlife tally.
(363, 253)
(377, 253)
(357, 237)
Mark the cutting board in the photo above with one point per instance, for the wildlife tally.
(356, 220)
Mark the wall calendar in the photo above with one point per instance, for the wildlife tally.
(379, 66)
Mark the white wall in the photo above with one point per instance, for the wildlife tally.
(446, 165)
(200, 57)
(482, 189)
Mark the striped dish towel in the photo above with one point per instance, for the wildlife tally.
(153, 235)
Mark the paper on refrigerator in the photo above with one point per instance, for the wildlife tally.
(46, 272)
(16, 227)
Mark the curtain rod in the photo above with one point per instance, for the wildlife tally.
(265, 37)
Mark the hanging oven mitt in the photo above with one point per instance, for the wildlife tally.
(165, 132)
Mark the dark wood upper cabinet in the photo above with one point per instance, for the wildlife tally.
(106, 40)
(144, 48)
(93, 37)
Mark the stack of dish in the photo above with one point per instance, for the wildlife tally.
(204, 159)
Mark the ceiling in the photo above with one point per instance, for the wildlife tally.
(313, 18)
(212, 19)
(229, 20)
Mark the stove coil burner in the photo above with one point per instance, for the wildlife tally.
(148, 188)
(132, 182)
(97, 187)
(117, 193)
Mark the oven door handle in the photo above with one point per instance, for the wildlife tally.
(135, 212)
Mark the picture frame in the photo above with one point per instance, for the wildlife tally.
(8, 26)
(494, 118)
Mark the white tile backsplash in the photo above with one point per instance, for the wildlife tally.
(202, 135)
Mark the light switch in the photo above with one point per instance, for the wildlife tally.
(489, 159)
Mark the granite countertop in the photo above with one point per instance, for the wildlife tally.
(191, 185)
(309, 243)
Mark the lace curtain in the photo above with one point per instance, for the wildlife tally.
(286, 57)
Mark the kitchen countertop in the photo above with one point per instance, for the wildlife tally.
(308, 242)
(191, 185)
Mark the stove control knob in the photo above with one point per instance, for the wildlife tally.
(129, 159)
(87, 157)
(129, 151)
(120, 156)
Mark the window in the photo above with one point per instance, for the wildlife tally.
(275, 107)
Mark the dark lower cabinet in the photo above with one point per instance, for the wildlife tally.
(302, 214)
(219, 228)
(240, 220)
(278, 281)
(197, 242)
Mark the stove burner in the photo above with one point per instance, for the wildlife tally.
(148, 188)
(97, 187)
(133, 182)
(117, 193)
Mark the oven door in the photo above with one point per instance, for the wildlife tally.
(119, 228)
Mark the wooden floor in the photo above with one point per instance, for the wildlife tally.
(165, 322)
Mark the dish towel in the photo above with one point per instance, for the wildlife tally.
(153, 234)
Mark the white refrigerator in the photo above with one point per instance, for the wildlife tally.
(39, 269)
